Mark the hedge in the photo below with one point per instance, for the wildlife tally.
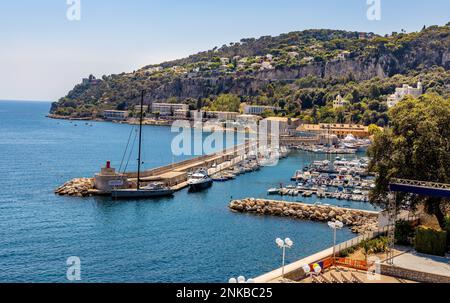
(447, 228)
(404, 231)
(430, 241)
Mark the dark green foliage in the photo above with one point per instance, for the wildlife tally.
(372, 246)
(447, 229)
(375, 246)
(415, 147)
(430, 241)
(404, 232)
(347, 252)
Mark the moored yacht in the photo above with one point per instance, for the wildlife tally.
(199, 181)
(152, 190)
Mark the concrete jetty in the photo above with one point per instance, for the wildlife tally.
(174, 175)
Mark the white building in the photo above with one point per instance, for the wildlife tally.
(266, 65)
(224, 61)
(340, 102)
(401, 92)
(170, 109)
(343, 55)
(154, 69)
(115, 115)
(257, 109)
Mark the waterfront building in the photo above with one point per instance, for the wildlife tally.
(137, 108)
(401, 92)
(169, 109)
(115, 115)
(340, 102)
(340, 130)
(181, 113)
(258, 109)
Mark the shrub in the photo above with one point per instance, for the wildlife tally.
(347, 252)
(447, 229)
(431, 241)
(404, 231)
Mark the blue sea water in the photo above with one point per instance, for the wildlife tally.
(192, 237)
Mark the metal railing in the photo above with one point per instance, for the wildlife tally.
(425, 184)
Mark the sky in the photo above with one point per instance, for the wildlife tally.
(43, 53)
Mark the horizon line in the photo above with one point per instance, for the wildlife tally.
(25, 100)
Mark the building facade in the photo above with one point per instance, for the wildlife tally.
(340, 102)
(401, 92)
(340, 130)
(257, 109)
(115, 115)
(170, 109)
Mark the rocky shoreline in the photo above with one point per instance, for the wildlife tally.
(358, 221)
(80, 187)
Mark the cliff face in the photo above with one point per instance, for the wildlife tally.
(357, 69)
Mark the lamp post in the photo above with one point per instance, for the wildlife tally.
(287, 243)
(334, 226)
(240, 280)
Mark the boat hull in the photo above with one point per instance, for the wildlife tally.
(140, 194)
(200, 186)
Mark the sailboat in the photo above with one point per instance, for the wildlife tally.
(152, 190)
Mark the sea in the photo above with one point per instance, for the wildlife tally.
(191, 237)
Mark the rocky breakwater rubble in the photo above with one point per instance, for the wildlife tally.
(358, 221)
(80, 187)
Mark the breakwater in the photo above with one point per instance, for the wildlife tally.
(174, 175)
(359, 221)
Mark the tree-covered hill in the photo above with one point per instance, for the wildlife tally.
(301, 72)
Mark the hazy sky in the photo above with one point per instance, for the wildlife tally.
(43, 54)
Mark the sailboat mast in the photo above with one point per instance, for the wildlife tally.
(140, 142)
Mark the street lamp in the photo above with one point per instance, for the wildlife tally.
(240, 279)
(334, 226)
(287, 243)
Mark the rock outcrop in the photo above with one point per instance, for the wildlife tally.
(358, 220)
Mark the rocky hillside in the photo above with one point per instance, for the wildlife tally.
(297, 71)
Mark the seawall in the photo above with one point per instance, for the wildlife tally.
(360, 221)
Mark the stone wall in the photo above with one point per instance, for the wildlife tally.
(413, 275)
